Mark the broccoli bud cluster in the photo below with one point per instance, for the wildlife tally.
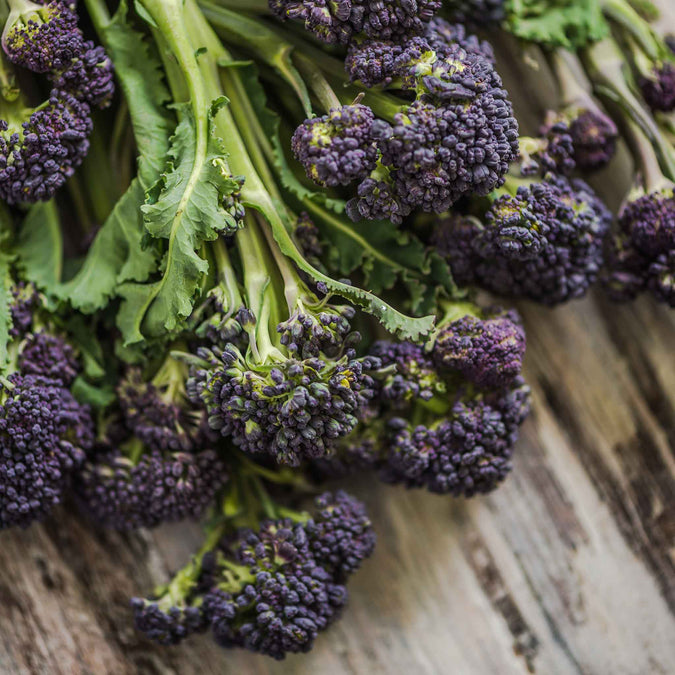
(446, 414)
(544, 243)
(291, 409)
(270, 590)
(456, 138)
(641, 254)
(40, 148)
(159, 463)
(45, 432)
(341, 21)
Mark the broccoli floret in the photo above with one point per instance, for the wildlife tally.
(477, 12)
(298, 385)
(457, 138)
(340, 22)
(271, 589)
(432, 426)
(486, 348)
(337, 148)
(159, 463)
(44, 435)
(46, 39)
(544, 241)
(592, 131)
(130, 487)
(378, 62)
(45, 354)
(640, 252)
(40, 149)
(45, 432)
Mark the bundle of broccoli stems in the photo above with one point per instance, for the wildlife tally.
(185, 330)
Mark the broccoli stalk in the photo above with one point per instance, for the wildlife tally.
(650, 57)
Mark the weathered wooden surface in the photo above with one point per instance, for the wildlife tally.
(569, 568)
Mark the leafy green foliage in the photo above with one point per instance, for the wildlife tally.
(5, 300)
(117, 255)
(185, 209)
(39, 247)
(557, 23)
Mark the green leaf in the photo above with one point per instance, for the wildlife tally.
(141, 77)
(185, 209)
(97, 396)
(115, 256)
(572, 24)
(5, 301)
(39, 247)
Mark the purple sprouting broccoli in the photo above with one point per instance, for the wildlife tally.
(477, 12)
(45, 432)
(641, 253)
(441, 35)
(337, 148)
(379, 62)
(129, 486)
(45, 38)
(592, 131)
(456, 139)
(647, 52)
(485, 346)
(48, 355)
(160, 463)
(297, 384)
(553, 151)
(44, 436)
(341, 535)
(541, 240)
(433, 426)
(340, 22)
(270, 590)
(40, 149)
(25, 301)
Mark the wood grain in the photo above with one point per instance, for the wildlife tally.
(568, 569)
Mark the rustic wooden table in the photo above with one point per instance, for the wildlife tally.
(569, 568)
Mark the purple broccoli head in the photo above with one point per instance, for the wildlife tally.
(337, 148)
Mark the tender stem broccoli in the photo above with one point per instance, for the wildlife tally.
(267, 578)
(651, 60)
(641, 253)
(593, 132)
(159, 462)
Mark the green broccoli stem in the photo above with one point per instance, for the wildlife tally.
(621, 13)
(249, 6)
(646, 159)
(569, 73)
(260, 289)
(227, 277)
(177, 592)
(317, 83)
(605, 65)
